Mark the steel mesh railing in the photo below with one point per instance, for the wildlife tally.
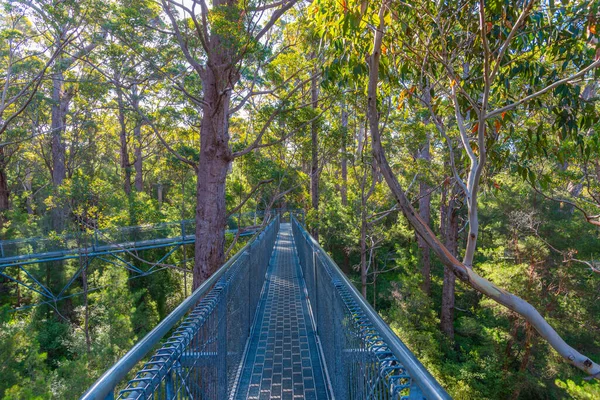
(200, 360)
(364, 358)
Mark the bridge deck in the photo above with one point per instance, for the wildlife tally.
(283, 358)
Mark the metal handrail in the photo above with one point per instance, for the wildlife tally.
(430, 387)
(103, 388)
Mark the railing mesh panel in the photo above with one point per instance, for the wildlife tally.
(359, 362)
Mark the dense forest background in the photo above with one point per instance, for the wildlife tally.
(486, 112)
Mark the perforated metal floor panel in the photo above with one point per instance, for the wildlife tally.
(283, 359)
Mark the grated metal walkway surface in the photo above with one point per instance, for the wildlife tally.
(283, 359)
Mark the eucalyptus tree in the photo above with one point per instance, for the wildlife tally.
(24, 61)
(71, 30)
(226, 46)
(488, 61)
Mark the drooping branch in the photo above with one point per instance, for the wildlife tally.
(592, 219)
(540, 92)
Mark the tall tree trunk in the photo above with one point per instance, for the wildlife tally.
(4, 190)
(363, 249)
(449, 229)
(425, 214)
(137, 137)
(344, 188)
(4, 205)
(314, 167)
(344, 191)
(61, 98)
(86, 315)
(211, 173)
(28, 186)
(60, 107)
(524, 361)
(124, 153)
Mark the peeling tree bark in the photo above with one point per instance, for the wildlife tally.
(463, 272)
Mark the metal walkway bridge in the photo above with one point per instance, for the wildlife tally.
(278, 321)
(21, 259)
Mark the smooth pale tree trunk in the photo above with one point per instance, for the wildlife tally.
(360, 139)
(60, 108)
(425, 214)
(463, 271)
(160, 191)
(124, 152)
(137, 164)
(314, 166)
(211, 173)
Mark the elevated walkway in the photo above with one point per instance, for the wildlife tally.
(278, 321)
(25, 261)
(283, 361)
